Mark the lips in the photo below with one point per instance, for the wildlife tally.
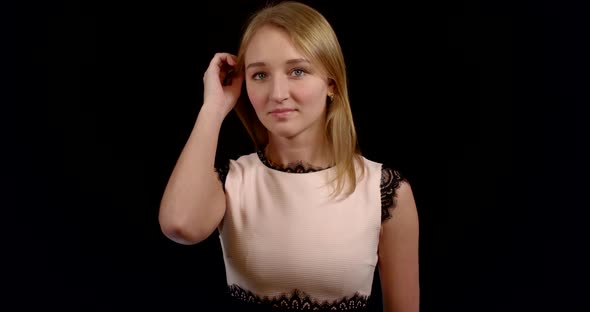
(282, 110)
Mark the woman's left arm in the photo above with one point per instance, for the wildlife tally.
(398, 254)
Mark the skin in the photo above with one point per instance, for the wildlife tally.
(193, 203)
(279, 77)
(398, 255)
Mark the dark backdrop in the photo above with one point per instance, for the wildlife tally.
(473, 103)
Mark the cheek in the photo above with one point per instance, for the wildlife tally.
(306, 95)
(256, 96)
(309, 94)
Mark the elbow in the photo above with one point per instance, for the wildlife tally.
(181, 232)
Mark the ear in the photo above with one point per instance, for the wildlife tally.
(331, 86)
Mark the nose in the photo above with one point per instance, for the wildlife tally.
(279, 89)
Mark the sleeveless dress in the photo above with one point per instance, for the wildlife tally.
(288, 245)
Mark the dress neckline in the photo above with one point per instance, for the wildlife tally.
(297, 167)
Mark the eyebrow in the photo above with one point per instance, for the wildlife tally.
(292, 61)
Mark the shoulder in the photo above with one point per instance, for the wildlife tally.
(235, 166)
(245, 161)
(393, 185)
(396, 193)
(386, 169)
(240, 161)
(391, 178)
(368, 163)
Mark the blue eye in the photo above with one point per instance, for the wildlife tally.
(298, 72)
(258, 76)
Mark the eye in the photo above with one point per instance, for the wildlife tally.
(298, 72)
(258, 76)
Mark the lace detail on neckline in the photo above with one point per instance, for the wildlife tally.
(297, 167)
(298, 300)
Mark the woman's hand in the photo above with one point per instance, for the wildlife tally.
(222, 84)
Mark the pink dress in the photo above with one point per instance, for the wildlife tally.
(288, 245)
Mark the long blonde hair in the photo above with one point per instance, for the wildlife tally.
(314, 36)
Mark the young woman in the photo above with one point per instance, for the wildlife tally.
(305, 219)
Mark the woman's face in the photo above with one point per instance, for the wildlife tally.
(287, 92)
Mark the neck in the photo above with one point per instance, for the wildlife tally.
(315, 151)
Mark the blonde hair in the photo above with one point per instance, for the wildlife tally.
(314, 36)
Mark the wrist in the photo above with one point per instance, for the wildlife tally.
(212, 113)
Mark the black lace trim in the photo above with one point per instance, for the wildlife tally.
(222, 173)
(297, 167)
(297, 300)
(390, 182)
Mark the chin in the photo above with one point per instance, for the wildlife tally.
(285, 131)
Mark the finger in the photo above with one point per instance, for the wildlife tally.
(217, 61)
(227, 77)
(225, 60)
(232, 59)
(220, 66)
(236, 80)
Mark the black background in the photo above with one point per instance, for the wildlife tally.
(478, 105)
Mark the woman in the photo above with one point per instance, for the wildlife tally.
(304, 219)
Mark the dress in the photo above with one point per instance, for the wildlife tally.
(287, 245)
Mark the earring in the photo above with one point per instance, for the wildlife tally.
(331, 96)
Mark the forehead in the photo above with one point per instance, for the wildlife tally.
(271, 45)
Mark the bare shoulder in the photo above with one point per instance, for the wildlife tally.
(396, 193)
(398, 252)
(404, 191)
(404, 204)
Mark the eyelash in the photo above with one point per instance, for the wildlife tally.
(303, 71)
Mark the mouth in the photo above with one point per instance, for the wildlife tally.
(282, 112)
